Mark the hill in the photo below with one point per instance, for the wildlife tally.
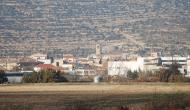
(40, 25)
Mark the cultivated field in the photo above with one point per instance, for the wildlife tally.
(135, 96)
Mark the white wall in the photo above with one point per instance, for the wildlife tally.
(14, 79)
(38, 56)
(83, 72)
(188, 68)
(170, 60)
(45, 61)
(67, 67)
(122, 67)
(58, 60)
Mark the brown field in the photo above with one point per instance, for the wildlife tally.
(130, 96)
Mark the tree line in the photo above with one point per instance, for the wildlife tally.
(44, 76)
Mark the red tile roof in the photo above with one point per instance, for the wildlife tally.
(46, 66)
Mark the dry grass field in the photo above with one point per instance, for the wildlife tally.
(130, 88)
(130, 96)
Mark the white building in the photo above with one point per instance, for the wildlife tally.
(188, 68)
(181, 61)
(38, 56)
(85, 72)
(170, 60)
(122, 67)
(69, 58)
(16, 77)
(58, 62)
(45, 61)
(85, 61)
(67, 68)
(152, 63)
(114, 56)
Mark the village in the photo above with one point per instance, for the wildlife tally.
(92, 68)
(95, 55)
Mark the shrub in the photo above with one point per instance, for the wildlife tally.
(171, 75)
(44, 76)
(2, 77)
(148, 76)
(132, 75)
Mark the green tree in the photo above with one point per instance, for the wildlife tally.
(43, 76)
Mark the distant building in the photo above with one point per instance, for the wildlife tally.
(44, 67)
(85, 61)
(27, 59)
(188, 68)
(2, 68)
(39, 56)
(58, 62)
(167, 61)
(8, 63)
(152, 63)
(84, 70)
(64, 65)
(69, 58)
(27, 66)
(114, 57)
(15, 77)
(121, 68)
(45, 61)
(98, 50)
(181, 61)
(67, 68)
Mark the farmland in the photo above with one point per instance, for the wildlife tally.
(136, 96)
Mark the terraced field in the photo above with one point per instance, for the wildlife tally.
(33, 25)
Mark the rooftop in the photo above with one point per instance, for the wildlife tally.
(46, 66)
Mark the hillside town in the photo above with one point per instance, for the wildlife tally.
(85, 38)
(94, 54)
(88, 68)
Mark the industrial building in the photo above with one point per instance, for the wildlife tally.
(188, 68)
(152, 63)
(181, 61)
(122, 67)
